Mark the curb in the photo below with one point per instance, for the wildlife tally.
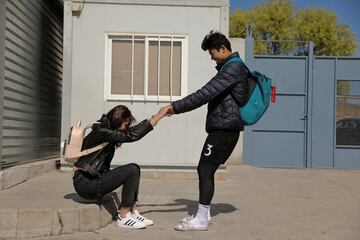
(42, 222)
(13, 176)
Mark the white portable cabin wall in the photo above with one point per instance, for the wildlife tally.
(176, 141)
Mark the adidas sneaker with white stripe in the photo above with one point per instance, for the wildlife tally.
(130, 222)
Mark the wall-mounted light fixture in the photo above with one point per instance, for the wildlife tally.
(77, 8)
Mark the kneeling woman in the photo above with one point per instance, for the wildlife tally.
(93, 177)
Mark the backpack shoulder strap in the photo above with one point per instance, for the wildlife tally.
(238, 59)
(92, 124)
(90, 150)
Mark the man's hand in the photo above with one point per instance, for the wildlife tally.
(164, 111)
(169, 110)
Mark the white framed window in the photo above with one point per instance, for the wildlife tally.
(145, 67)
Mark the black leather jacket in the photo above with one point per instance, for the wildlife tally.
(226, 92)
(98, 162)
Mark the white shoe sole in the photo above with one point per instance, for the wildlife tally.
(143, 225)
(191, 229)
(186, 225)
(129, 227)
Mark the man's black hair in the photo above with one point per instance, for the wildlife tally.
(214, 40)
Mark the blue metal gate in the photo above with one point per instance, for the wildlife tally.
(336, 113)
(299, 130)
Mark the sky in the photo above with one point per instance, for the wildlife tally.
(348, 11)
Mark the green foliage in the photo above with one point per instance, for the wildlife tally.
(275, 20)
(321, 27)
(343, 88)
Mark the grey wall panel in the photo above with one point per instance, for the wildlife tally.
(288, 73)
(276, 119)
(347, 158)
(276, 149)
(190, 3)
(322, 154)
(348, 69)
(281, 131)
(33, 81)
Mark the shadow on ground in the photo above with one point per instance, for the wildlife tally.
(190, 206)
(110, 202)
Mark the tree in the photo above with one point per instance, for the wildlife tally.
(321, 27)
(276, 20)
(271, 20)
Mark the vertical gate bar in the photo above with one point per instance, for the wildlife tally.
(146, 63)
(171, 63)
(249, 55)
(132, 67)
(309, 101)
(158, 72)
(2, 69)
(249, 59)
(334, 113)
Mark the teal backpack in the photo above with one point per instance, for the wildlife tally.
(259, 93)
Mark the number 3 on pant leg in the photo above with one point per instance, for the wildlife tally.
(209, 150)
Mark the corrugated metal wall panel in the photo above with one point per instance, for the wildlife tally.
(33, 81)
(2, 68)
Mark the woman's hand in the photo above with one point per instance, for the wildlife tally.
(160, 114)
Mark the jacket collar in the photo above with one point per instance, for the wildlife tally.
(104, 121)
(221, 64)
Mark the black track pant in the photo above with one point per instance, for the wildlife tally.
(127, 176)
(206, 172)
(217, 149)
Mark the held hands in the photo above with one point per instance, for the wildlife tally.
(169, 110)
(164, 111)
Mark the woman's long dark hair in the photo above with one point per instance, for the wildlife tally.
(119, 114)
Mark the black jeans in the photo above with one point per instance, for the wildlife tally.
(217, 149)
(127, 176)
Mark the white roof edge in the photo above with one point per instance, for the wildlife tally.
(204, 3)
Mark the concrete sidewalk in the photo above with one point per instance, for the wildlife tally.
(252, 203)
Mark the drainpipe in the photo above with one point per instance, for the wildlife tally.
(67, 72)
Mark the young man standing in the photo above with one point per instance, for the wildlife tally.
(224, 93)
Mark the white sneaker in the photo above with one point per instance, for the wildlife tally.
(143, 219)
(130, 222)
(191, 224)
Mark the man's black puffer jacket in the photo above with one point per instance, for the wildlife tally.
(98, 162)
(225, 93)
